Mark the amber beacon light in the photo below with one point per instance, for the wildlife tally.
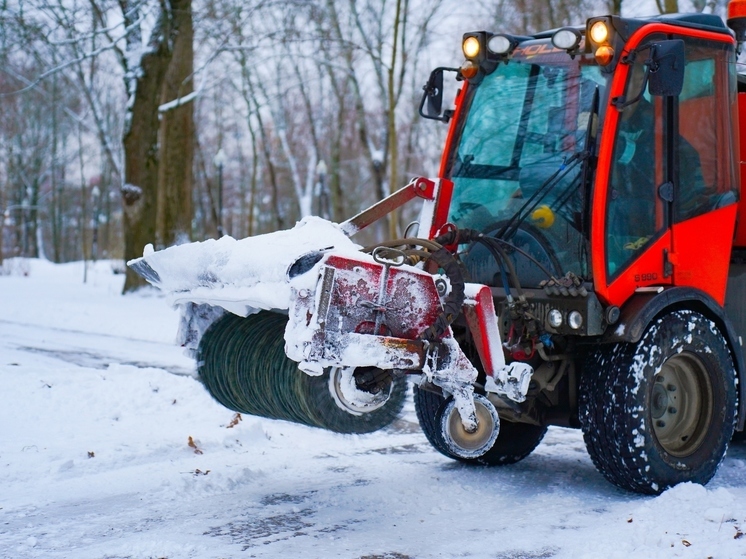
(737, 18)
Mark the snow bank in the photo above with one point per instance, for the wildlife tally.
(83, 369)
(688, 520)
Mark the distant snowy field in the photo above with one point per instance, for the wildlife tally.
(98, 407)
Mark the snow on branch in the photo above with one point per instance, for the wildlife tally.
(179, 101)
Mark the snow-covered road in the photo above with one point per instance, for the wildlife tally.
(98, 407)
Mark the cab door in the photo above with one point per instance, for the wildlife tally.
(667, 183)
(705, 179)
(639, 189)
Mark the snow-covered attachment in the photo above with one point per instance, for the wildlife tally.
(356, 319)
(378, 311)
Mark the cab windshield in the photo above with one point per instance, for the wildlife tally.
(518, 165)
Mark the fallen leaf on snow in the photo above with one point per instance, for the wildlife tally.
(235, 421)
(193, 445)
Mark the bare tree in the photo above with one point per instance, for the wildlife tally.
(174, 223)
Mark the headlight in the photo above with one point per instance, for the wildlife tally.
(554, 318)
(566, 39)
(471, 47)
(304, 263)
(599, 32)
(500, 44)
(575, 320)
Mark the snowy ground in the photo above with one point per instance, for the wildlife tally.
(98, 407)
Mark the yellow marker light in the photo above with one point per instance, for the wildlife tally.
(543, 216)
(471, 47)
(604, 55)
(469, 69)
(599, 32)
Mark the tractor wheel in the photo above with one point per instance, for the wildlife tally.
(514, 442)
(242, 363)
(660, 411)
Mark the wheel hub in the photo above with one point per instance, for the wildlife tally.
(349, 395)
(660, 400)
(471, 443)
(681, 404)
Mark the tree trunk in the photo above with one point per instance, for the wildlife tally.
(140, 191)
(174, 223)
(393, 147)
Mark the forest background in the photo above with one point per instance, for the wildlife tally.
(127, 122)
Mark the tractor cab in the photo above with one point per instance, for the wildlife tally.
(598, 156)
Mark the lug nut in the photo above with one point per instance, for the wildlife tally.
(671, 388)
(660, 423)
(659, 378)
(672, 410)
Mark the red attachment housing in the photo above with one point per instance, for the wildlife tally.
(372, 298)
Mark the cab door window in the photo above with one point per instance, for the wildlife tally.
(705, 174)
(635, 212)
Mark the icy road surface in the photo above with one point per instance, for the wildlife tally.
(97, 412)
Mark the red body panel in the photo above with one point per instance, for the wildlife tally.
(645, 271)
(480, 317)
(740, 236)
(455, 123)
(701, 251)
(442, 206)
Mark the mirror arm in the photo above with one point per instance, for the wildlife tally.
(428, 92)
(446, 114)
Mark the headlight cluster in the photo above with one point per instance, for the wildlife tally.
(599, 33)
(480, 47)
(555, 319)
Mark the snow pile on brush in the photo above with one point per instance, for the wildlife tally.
(243, 276)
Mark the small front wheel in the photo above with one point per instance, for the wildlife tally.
(661, 411)
(515, 441)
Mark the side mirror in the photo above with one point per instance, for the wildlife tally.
(666, 68)
(431, 105)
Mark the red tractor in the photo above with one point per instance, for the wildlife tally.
(578, 263)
